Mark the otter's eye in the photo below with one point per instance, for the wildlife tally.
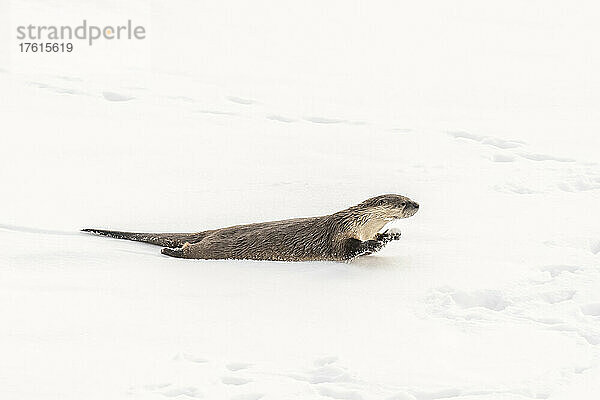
(403, 204)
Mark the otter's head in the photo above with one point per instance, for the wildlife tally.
(390, 206)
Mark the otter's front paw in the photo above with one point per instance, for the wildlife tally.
(374, 245)
(389, 235)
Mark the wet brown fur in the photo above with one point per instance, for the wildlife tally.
(337, 237)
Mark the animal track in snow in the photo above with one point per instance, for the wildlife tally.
(591, 335)
(67, 91)
(578, 184)
(190, 358)
(486, 140)
(241, 100)
(501, 143)
(490, 299)
(234, 380)
(556, 270)
(542, 305)
(156, 386)
(595, 246)
(181, 98)
(515, 188)
(189, 391)
(112, 96)
(502, 158)
(466, 135)
(56, 89)
(322, 120)
(545, 157)
(69, 78)
(237, 366)
(320, 362)
(280, 118)
(592, 309)
(324, 374)
(558, 296)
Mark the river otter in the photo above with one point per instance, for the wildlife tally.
(341, 236)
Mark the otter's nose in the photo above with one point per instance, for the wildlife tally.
(415, 205)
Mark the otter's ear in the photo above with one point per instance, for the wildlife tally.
(381, 202)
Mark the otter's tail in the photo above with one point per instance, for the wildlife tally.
(159, 239)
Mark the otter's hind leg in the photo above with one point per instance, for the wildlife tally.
(201, 250)
(179, 252)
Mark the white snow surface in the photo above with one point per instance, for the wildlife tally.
(486, 113)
